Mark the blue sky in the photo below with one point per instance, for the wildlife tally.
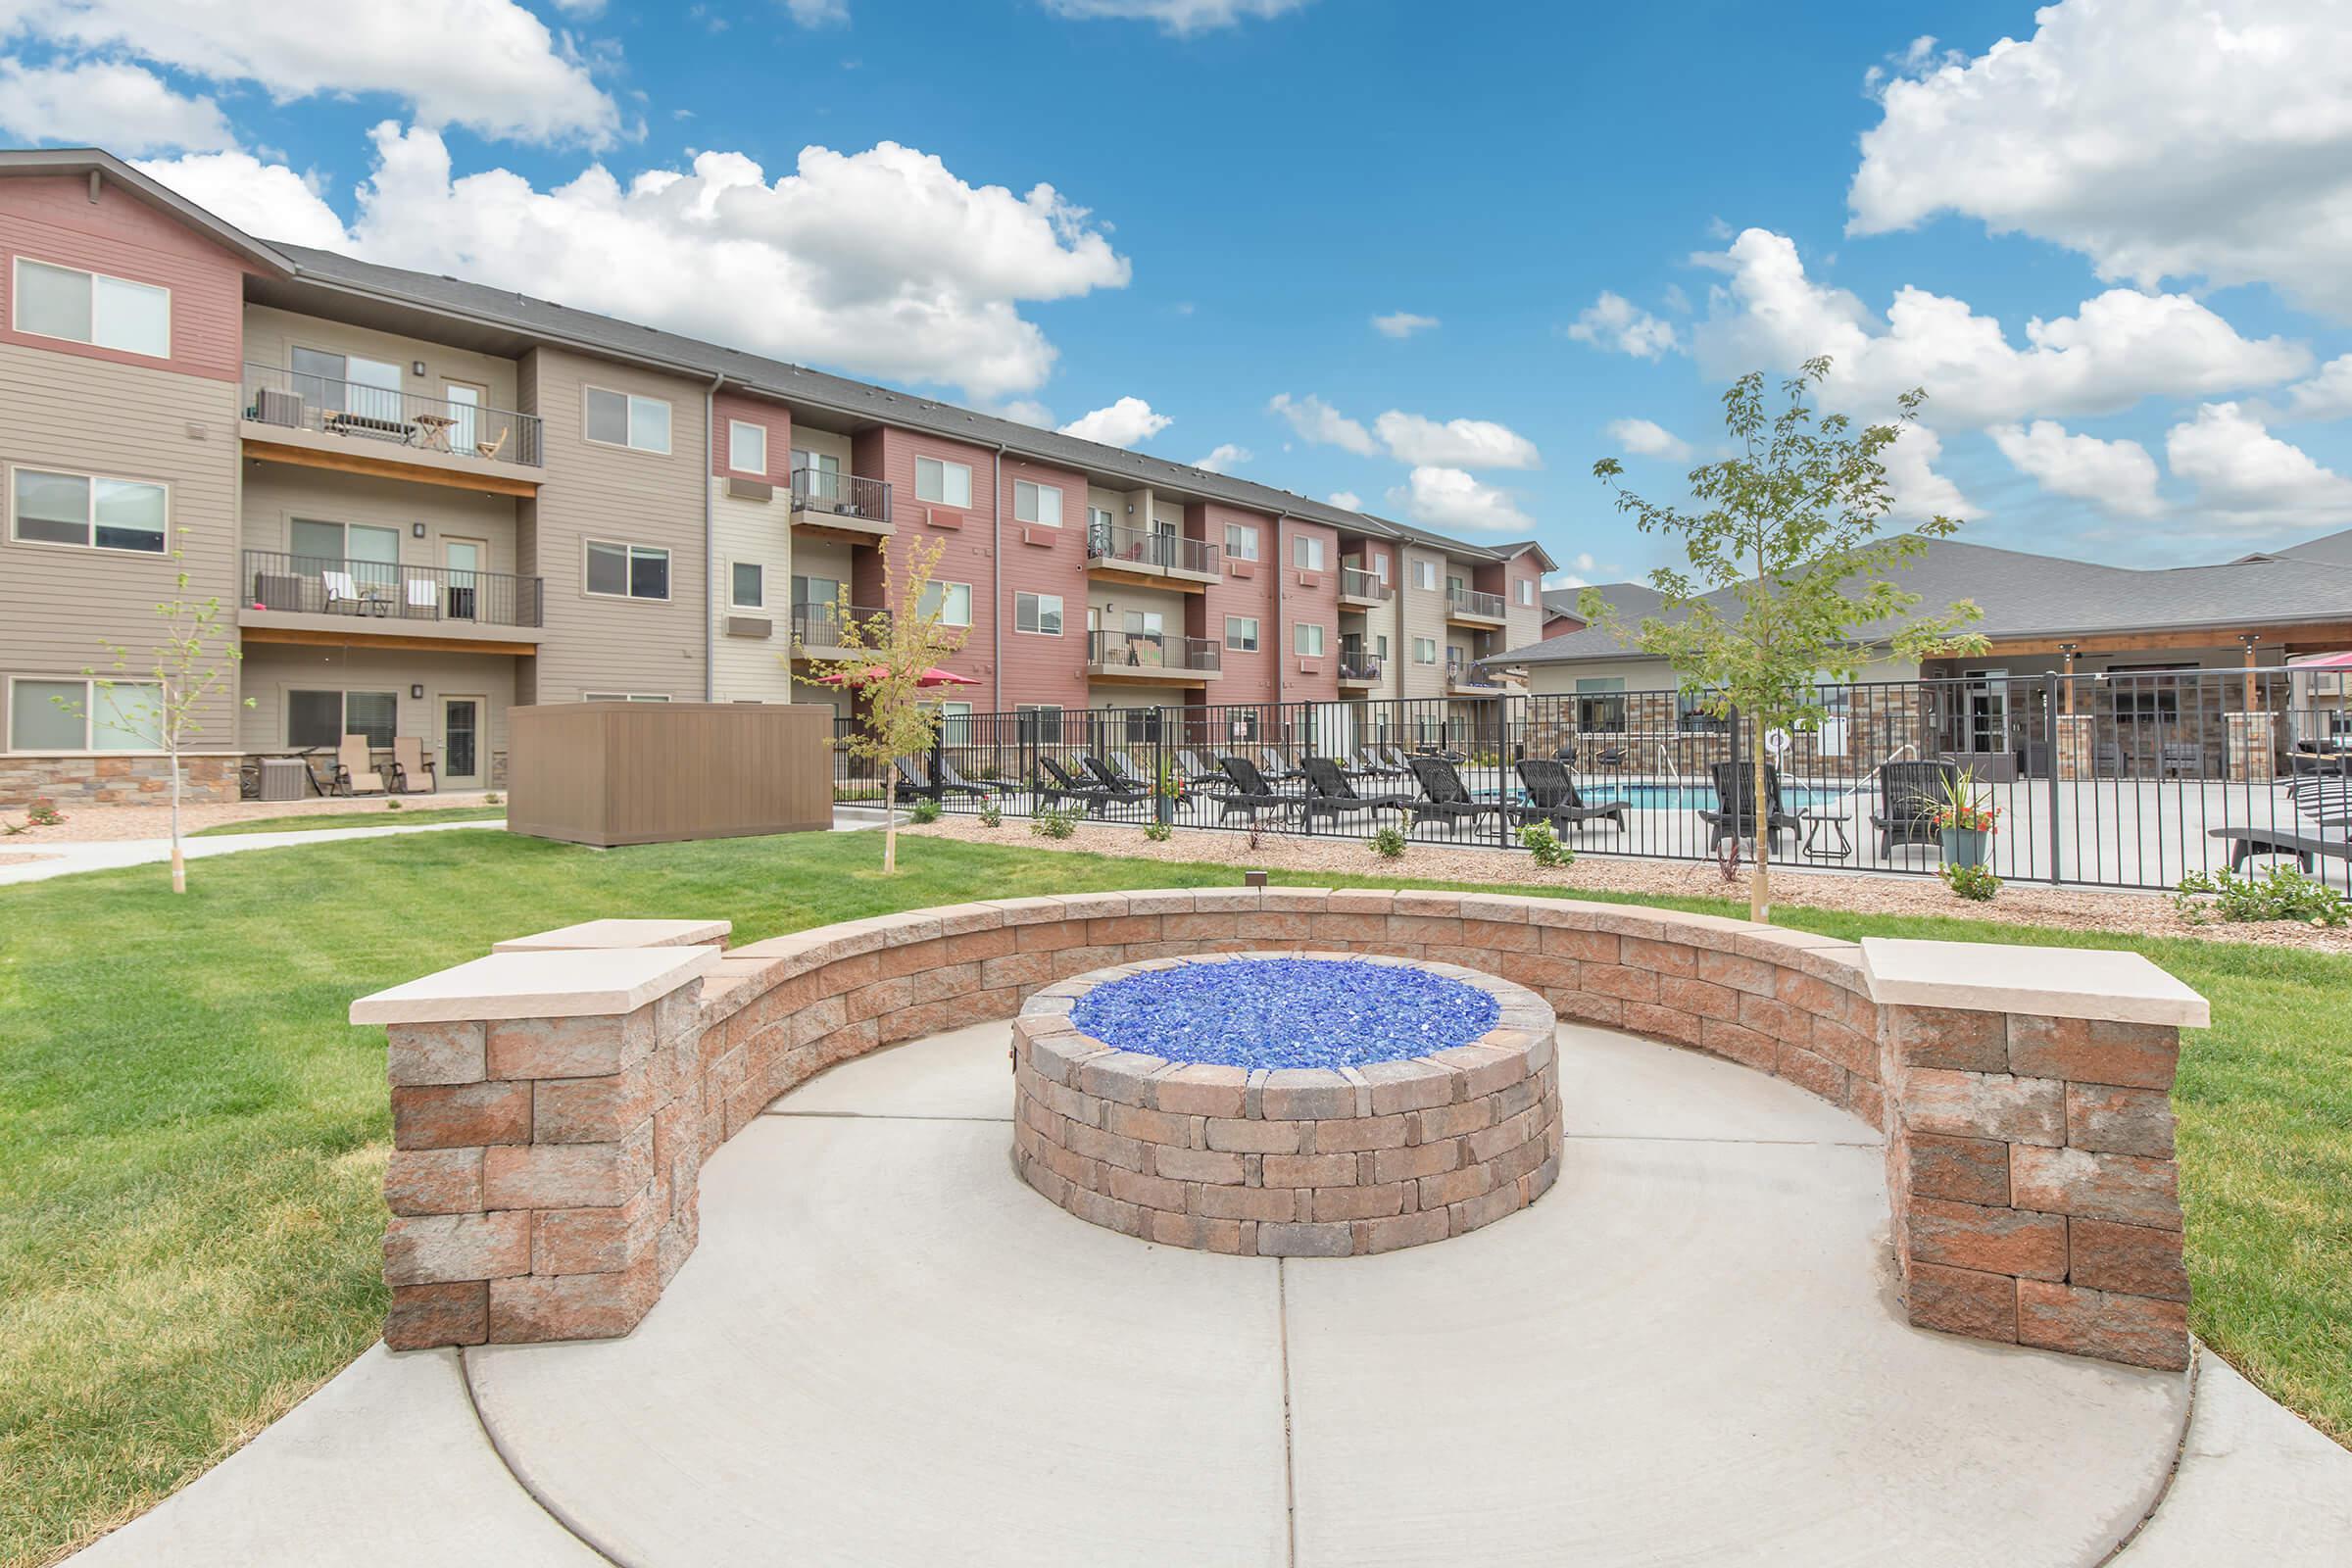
(1240, 187)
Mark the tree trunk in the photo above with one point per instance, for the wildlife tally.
(890, 822)
(179, 864)
(1759, 880)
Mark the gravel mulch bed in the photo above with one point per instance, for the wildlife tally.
(92, 824)
(2019, 904)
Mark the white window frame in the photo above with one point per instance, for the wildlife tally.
(1380, 567)
(1527, 591)
(624, 696)
(737, 430)
(940, 467)
(1250, 621)
(1310, 547)
(1240, 542)
(759, 567)
(1036, 495)
(161, 552)
(1425, 576)
(1036, 606)
(631, 401)
(1299, 636)
(89, 705)
(946, 597)
(629, 554)
(1429, 643)
(94, 340)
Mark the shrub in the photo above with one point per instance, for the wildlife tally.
(1546, 845)
(1053, 823)
(1159, 832)
(923, 812)
(391, 806)
(992, 813)
(1976, 883)
(44, 813)
(2284, 893)
(494, 798)
(1388, 843)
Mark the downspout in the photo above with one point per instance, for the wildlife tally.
(1281, 584)
(710, 541)
(995, 591)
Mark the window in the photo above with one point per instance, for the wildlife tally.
(951, 602)
(331, 546)
(1380, 647)
(346, 383)
(1035, 502)
(747, 585)
(2145, 693)
(1039, 723)
(626, 419)
(1037, 612)
(955, 724)
(1425, 576)
(1142, 726)
(1690, 717)
(947, 484)
(1380, 567)
(747, 447)
(1240, 542)
(1240, 633)
(1307, 552)
(624, 696)
(1307, 638)
(1527, 590)
(71, 508)
(324, 719)
(1601, 703)
(108, 313)
(1425, 649)
(627, 571)
(81, 715)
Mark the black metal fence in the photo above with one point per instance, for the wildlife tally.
(2127, 780)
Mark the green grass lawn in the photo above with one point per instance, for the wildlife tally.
(191, 1139)
(381, 817)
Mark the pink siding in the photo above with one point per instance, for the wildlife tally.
(1246, 677)
(1042, 560)
(732, 406)
(52, 219)
(889, 454)
(1310, 597)
(1522, 568)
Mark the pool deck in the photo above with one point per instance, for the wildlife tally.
(887, 1350)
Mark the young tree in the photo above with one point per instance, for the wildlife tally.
(1788, 534)
(888, 656)
(162, 701)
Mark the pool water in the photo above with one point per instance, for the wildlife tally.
(1285, 1013)
(1700, 797)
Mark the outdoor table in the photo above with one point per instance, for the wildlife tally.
(434, 429)
(1818, 818)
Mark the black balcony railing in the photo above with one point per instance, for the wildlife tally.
(1464, 602)
(300, 401)
(1150, 649)
(1354, 584)
(842, 494)
(322, 585)
(819, 625)
(1360, 667)
(1115, 544)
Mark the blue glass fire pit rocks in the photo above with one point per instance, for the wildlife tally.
(1285, 1013)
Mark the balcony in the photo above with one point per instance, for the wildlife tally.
(1361, 590)
(817, 628)
(842, 503)
(1153, 556)
(1154, 658)
(315, 599)
(317, 423)
(1474, 609)
(1468, 680)
(1358, 672)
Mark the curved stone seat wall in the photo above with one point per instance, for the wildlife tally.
(547, 1149)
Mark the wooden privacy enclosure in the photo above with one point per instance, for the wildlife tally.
(608, 774)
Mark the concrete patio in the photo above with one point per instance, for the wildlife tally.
(886, 1349)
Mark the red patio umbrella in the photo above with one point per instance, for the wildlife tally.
(2322, 661)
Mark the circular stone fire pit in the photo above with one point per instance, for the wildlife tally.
(1287, 1105)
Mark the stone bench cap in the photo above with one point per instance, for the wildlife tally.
(2048, 982)
(571, 982)
(620, 934)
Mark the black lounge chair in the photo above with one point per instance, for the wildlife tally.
(1369, 761)
(2247, 841)
(1552, 797)
(1056, 782)
(1610, 756)
(1252, 793)
(912, 783)
(1910, 794)
(1736, 819)
(1123, 765)
(1329, 794)
(1444, 794)
(1280, 771)
(1123, 789)
(1197, 774)
(949, 778)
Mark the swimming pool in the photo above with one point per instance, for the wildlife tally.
(1702, 798)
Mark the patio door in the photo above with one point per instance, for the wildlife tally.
(1988, 711)
(1144, 637)
(465, 408)
(460, 588)
(462, 737)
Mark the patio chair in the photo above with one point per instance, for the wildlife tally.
(1056, 782)
(1252, 793)
(409, 764)
(1736, 819)
(1121, 789)
(1369, 761)
(949, 778)
(1329, 794)
(2107, 759)
(913, 783)
(1124, 766)
(1277, 770)
(1552, 797)
(1910, 794)
(1445, 796)
(1197, 774)
(1611, 756)
(354, 771)
(341, 589)
(424, 594)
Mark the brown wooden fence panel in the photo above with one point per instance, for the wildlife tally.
(608, 774)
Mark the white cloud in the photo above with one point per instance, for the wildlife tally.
(1457, 443)
(2327, 395)
(1456, 502)
(1919, 492)
(1403, 323)
(1179, 17)
(2248, 477)
(2119, 347)
(1123, 423)
(883, 261)
(104, 103)
(1317, 420)
(2161, 138)
(818, 13)
(1613, 322)
(2118, 476)
(267, 200)
(1225, 459)
(585, 10)
(1553, 582)
(1025, 410)
(1646, 438)
(1346, 500)
(490, 66)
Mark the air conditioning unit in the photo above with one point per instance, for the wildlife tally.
(275, 406)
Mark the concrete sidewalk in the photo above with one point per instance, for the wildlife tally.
(889, 1352)
(106, 855)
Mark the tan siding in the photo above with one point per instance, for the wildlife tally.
(76, 414)
(751, 668)
(272, 669)
(612, 493)
(271, 335)
(276, 494)
(1421, 613)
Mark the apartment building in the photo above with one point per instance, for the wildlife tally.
(424, 501)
